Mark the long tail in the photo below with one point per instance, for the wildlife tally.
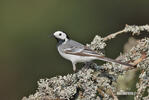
(112, 60)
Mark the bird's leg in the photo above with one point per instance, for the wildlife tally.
(74, 66)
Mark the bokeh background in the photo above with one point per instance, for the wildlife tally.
(26, 52)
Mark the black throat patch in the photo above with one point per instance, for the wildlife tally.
(60, 41)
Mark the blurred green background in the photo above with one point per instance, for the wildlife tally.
(26, 52)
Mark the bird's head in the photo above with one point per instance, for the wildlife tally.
(60, 36)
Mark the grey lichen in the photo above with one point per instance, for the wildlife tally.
(98, 44)
(61, 87)
(95, 82)
(136, 29)
(81, 85)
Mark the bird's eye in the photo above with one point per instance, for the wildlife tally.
(60, 34)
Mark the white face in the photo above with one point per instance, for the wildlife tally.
(60, 35)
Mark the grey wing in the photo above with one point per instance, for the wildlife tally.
(74, 47)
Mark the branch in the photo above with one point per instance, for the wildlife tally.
(135, 30)
(96, 82)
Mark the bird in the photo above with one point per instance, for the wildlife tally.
(77, 52)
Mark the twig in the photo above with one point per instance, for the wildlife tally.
(114, 96)
(134, 63)
(111, 36)
(128, 28)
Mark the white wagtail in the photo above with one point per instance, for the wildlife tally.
(77, 52)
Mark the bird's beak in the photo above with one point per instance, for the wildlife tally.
(51, 35)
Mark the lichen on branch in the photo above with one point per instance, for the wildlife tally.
(95, 82)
